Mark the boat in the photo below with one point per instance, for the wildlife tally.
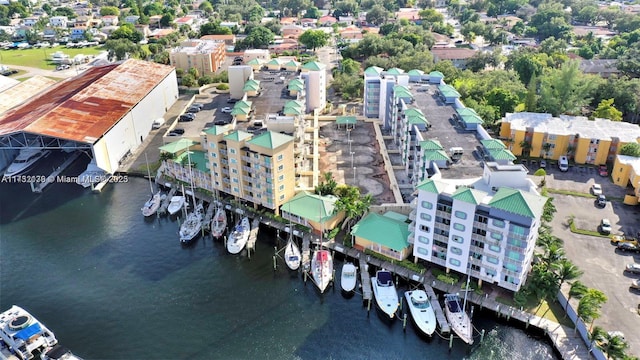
(192, 225)
(25, 159)
(219, 222)
(292, 256)
(239, 236)
(385, 292)
(348, 277)
(59, 352)
(322, 268)
(175, 204)
(458, 318)
(23, 334)
(421, 311)
(151, 206)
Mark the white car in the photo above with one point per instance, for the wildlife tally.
(596, 189)
(226, 109)
(605, 226)
(633, 268)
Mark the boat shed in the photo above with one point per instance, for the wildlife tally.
(107, 111)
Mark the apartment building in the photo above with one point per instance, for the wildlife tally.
(314, 75)
(585, 141)
(206, 56)
(483, 228)
(254, 168)
(378, 91)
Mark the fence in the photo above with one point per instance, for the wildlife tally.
(580, 327)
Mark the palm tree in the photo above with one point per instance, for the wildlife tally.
(565, 271)
(613, 346)
(577, 291)
(549, 210)
(591, 303)
(526, 148)
(546, 147)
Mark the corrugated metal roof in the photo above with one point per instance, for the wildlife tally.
(383, 230)
(85, 107)
(22, 91)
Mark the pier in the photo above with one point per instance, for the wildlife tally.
(165, 203)
(253, 235)
(365, 280)
(206, 222)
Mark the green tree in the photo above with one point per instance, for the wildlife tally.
(293, 7)
(109, 10)
(378, 15)
(503, 99)
(120, 49)
(576, 291)
(614, 346)
(590, 305)
(259, 37)
(327, 186)
(606, 110)
(167, 20)
(194, 72)
(314, 39)
(565, 90)
(313, 13)
(214, 28)
(566, 271)
(188, 80)
(126, 31)
(350, 67)
(345, 8)
(549, 210)
(206, 7)
(61, 11)
(630, 149)
(629, 61)
(550, 21)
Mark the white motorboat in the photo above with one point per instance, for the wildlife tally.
(421, 311)
(219, 222)
(151, 206)
(239, 236)
(23, 334)
(322, 269)
(25, 159)
(385, 292)
(292, 256)
(175, 204)
(348, 277)
(59, 352)
(192, 225)
(458, 318)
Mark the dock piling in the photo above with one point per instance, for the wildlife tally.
(404, 322)
(450, 341)
(481, 336)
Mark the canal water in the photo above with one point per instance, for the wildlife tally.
(113, 285)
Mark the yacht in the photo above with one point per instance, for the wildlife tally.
(385, 292)
(25, 159)
(59, 352)
(458, 318)
(421, 311)
(348, 277)
(239, 236)
(322, 268)
(192, 225)
(175, 204)
(292, 256)
(219, 222)
(23, 334)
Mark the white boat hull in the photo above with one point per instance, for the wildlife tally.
(292, 256)
(192, 225)
(219, 223)
(24, 334)
(322, 269)
(348, 277)
(25, 160)
(239, 237)
(421, 311)
(152, 205)
(176, 204)
(385, 293)
(458, 318)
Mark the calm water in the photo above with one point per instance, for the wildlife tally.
(112, 285)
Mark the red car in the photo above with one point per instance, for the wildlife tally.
(602, 170)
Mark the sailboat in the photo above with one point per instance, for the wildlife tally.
(292, 256)
(192, 225)
(322, 268)
(219, 222)
(348, 277)
(151, 206)
(385, 292)
(457, 315)
(239, 236)
(421, 311)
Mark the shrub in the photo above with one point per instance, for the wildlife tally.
(222, 87)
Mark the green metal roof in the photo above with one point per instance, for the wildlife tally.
(340, 120)
(237, 136)
(518, 202)
(468, 195)
(401, 91)
(373, 70)
(292, 110)
(217, 129)
(296, 82)
(196, 157)
(384, 230)
(431, 144)
(311, 206)
(433, 186)
(501, 154)
(490, 144)
(254, 61)
(251, 85)
(178, 146)
(436, 155)
(292, 63)
(313, 66)
(275, 61)
(436, 74)
(296, 87)
(413, 112)
(471, 119)
(466, 111)
(294, 103)
(270, 140)
(243, 104)
(240, 111)
(415, 72)
(448, 91)
(417, 120)
(394, 71)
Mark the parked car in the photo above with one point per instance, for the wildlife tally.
(543, 164)
(194, 109)
(605, 226)
(563, 163)
(601, 200)
(226, 109)
(628, 247)
(633, 268)
(157, 123)
(603, 171)
(232, 101)
(635, 284)
(186, 117)
(596, 189)
(198, 105)
(178, 131)
(222, 122)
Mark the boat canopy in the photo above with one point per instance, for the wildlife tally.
(28, 332)
(384, 278)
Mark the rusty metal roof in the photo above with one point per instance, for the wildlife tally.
(22, 91)
(85, 107)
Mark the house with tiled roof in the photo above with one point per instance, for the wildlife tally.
(288, 21)
(482, 227)
(327, 21)
(292, 31)
(385, 234)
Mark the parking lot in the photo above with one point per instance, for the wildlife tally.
(602, 264)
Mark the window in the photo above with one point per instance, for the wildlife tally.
(235, 189)
(281, 188)
(460, 215)
(423, 239)
(281, 177)
(422, 251)
(232, 151)
(454, 262)
(456, 250)
(427, 205)
(280, 168)
(519, 230)
(492, 259)
(498, 223)
(458, 239)
(280, 157)
(282, 197)
(214, 155)
(233, 161)
(424, 228)
(235, 180)
(425, 217)
(496, 236)
(235, 171)
(212, 145)
(494, 248)
(490, 272)
(458, 226)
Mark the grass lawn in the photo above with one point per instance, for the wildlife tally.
(40, 58)
(552, 311)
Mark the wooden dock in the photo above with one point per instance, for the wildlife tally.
(443, 324)
(306, 253)
(365, 280)
(206, 223)
(165, 203)
(253, 235)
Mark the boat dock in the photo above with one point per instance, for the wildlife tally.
(253, 235)
(306, 252)
(365, 280)
(206, 223)
(443, 324)
(37, 187)
(165, 203)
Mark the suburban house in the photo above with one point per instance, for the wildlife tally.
(327, 21)
(458, 56)
(228, 40)
(383, 234)
(132, 19)
(59, 21)
(292, 31)
(110, 20)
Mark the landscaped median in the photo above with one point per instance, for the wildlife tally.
(575, 230)
(577, 193)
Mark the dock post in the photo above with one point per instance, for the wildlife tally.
(471, 311)
(450, 341)
(509, 315)
(368, 306)
(404, 322)
(526, 326)
(305, 277)
(274, 263)
(481, 336)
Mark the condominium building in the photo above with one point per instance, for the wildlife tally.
(258, 168)
(585, 141)
(204, 55)
(378, 91)
(314, 75)
(238, 76)
(480, 228)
